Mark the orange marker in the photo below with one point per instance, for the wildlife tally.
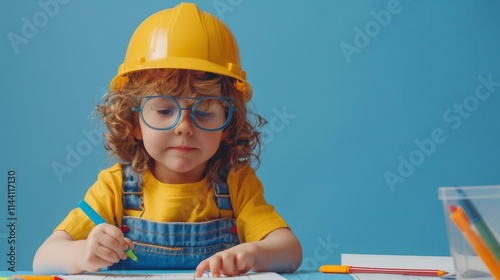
(359, 269)
(461, 220)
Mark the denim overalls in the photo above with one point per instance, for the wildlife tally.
(175, 245)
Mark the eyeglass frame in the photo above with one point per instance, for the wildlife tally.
(228, 100)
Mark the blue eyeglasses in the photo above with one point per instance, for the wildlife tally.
(163, 112)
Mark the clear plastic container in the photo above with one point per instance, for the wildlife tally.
(481, 207)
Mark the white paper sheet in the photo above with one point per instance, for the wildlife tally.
(167, 276)
(396, 261)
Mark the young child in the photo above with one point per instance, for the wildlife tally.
(183, 195)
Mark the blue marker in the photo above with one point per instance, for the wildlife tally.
(478, 222)
(97, 219)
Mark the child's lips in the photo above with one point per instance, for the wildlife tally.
(183, 149)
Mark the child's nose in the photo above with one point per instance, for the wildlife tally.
(185, 124)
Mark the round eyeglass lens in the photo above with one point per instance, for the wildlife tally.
(210, 113)
(160, 112)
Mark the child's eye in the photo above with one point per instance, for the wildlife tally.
(165, 112)
(203, 114)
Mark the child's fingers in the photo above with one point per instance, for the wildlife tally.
(231, 264)
(111, 238)
(201, 268)
(92, 259)
(129, 244)
(228, 264)
(107, 255)
(126, 245)
(214, 263)
(244, 263)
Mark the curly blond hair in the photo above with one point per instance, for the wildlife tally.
(240, 147)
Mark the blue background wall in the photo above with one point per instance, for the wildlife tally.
(372, 106)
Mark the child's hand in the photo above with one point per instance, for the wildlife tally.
(105, 246)
(234, 261)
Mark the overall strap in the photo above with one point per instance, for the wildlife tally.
(132, 190)
(221, 195)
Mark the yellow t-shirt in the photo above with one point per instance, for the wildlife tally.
(192, 202)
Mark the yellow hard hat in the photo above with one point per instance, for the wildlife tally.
(184, 38)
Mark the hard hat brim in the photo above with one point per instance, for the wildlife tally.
(179, 63)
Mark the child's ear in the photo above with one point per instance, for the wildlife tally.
(138, 132)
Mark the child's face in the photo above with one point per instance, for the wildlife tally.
(181, 153)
